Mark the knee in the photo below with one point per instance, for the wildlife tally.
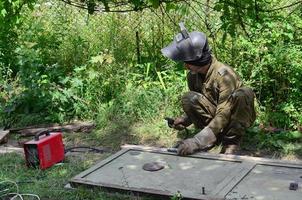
(244, 95)
(243, 109)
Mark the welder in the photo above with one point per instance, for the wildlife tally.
(217, 103)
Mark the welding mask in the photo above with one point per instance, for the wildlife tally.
(191, 48)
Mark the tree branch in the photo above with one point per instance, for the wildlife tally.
(204, 21)
(175, 24)
(283, 7)
(115, 5)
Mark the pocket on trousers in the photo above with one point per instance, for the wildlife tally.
(205, 103)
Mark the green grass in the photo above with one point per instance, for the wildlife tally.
(279, 145)
(49, 184)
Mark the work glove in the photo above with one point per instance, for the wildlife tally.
(201, 140)
(178, 123)
(181, 123)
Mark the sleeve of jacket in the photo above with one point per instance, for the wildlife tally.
(226, 85)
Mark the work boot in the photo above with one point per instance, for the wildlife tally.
(232, 137)
(231, 149)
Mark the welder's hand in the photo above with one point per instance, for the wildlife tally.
(201, 140)
(187, 147)
(179, 123)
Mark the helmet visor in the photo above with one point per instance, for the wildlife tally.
(180, 51)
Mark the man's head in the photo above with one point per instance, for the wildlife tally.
(191, 48)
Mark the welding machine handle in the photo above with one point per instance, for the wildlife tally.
(40, 133)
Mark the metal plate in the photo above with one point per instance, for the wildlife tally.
(183, 175)
(265, 182)
(222, 176)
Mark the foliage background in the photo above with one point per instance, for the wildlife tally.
(59, 63)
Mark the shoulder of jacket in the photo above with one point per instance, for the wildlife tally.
(222, 71)
(220, 68)
(223, 68)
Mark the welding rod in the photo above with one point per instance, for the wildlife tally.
(172, 150)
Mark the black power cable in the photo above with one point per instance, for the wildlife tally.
(88, 149)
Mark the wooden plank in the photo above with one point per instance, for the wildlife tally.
(4, 150)
(72, 127)
(3, 136)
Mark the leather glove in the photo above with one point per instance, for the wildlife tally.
(181, 123)
(178, 123)
(201, 140)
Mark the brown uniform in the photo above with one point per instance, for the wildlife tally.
(219, 100)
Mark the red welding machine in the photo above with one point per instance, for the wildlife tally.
(45, 150)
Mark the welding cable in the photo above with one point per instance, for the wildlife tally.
(14, 197)
(9, 181)
(16, 194)
(21, 196)
(90, 149)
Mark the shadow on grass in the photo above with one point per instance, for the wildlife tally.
(154, 132)
(278, 145)
(116, 133)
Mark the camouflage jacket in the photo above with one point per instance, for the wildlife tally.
(216, 86)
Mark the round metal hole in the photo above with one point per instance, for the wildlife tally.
(153, 166)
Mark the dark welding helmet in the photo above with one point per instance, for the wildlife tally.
(188, 47)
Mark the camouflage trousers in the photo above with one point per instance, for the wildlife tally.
(200, 112)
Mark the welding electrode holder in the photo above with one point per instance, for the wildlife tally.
(170, 121)
(40, 133)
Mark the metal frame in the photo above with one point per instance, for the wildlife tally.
(221, 190)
